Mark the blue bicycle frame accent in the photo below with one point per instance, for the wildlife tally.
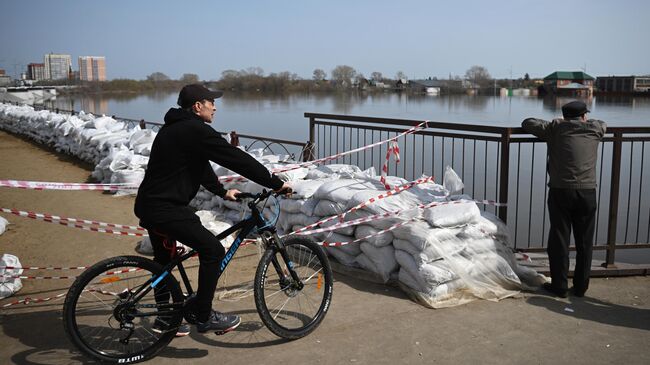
(162, 276)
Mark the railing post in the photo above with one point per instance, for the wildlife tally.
(613, 200)
(504, 173)
(312, 133)
(234, 139)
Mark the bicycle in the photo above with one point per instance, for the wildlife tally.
(110, 309)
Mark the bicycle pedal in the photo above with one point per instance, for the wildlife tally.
(220, 333)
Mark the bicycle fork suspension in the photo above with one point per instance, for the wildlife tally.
(272, 241)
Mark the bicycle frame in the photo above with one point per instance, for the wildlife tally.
(245, 227)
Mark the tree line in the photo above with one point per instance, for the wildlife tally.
(253, 79)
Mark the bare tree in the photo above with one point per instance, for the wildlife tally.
(254, 71)
(479, 75)
(157, 76)
(319, 75)
(400, 76)
(376, 76)
(189, 78)
(343, 75)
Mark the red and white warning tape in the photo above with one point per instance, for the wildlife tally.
(418, 127)
(29, 300)
(393, 149)
(25, 277)
(366, 203)
(42, 185)
(56, 218)
(389, 214)
(43, 268)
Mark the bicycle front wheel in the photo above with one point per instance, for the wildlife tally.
(292, 309)
(103, 318)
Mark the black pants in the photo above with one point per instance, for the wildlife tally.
(571, 208)
(191, 233)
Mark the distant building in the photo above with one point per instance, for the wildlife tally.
(36, 71)
(623, 84)
(2, 72)
(5, 80)
(57, 66)
(569, 83)
(92, 68)
(427, 86)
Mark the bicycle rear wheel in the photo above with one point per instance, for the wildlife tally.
(103, 322)
(290, 309)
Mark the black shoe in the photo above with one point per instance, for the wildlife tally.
(160, 325)
(218, 322)
(551, 289)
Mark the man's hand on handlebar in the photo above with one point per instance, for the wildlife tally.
(284, 190)
(231, 194)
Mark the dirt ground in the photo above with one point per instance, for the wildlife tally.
(367, 323)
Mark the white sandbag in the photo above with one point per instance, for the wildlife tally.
(401, 201)
(304, 189)
(308, 207)
(291, 205)
(407, 279)
(8, 284)
(351, 249)
(452, 181)
(131, 177)
(121, 160)
(3, 225)
(342, 190)
(293, 175)
(427, 276)
(214, 222)
(346, 231)
(326, 208)
(345, 171)
(287, 220)
(382, 259)
(342, 257)
(377, 240)
(452, 215)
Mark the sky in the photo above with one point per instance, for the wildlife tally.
(419, 38)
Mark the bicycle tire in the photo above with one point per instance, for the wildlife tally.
(89, 310)
(309, 262)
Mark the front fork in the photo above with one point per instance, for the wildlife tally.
(273, 242)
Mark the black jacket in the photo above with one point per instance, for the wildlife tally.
(179, 164)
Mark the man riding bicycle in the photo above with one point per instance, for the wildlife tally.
(178, 164)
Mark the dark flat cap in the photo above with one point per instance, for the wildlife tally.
(192, 93)
(574, 109)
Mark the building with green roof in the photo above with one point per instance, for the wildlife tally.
(575, 83)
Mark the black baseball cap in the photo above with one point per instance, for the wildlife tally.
(192, 93)
(574, 109)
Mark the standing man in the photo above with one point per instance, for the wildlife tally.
(179, 163)
(572, 152)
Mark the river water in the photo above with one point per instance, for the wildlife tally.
(282, 116)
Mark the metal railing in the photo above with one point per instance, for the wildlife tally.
(506, 165)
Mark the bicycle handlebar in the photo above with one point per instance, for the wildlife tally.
(263, 195)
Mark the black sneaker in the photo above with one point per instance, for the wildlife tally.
(160, 325)
(550, 288)
(218, 322)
